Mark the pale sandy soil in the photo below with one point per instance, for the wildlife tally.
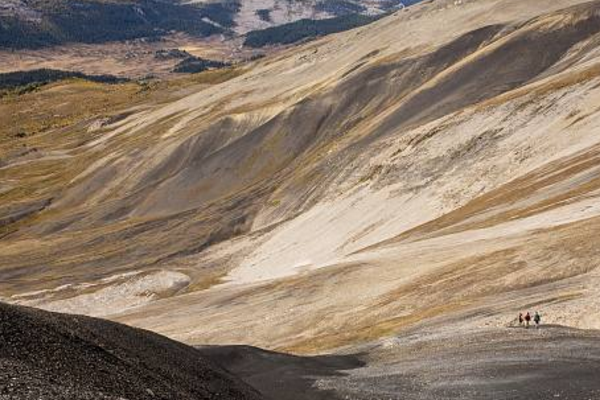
(441, 162)
(109, 295)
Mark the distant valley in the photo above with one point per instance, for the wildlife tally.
(123, 37)
(40, 23)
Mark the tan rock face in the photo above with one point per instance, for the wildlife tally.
(440, 162)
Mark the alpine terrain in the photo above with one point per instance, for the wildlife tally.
(360, 216)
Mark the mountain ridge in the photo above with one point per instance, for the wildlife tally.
(442, 169)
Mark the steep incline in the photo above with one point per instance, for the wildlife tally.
(441, 160)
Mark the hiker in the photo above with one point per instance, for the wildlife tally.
(520, 319)
(537, 318)
(527, 320)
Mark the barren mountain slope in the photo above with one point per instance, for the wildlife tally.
(441, 161)
(54, 356)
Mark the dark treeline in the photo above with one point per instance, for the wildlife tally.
(304, 29)
(97, 21)
(264, 14)
(29, 80)
(194, 65)
(340, 7)
(349, 17)
(222, 13)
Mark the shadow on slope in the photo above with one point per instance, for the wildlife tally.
(401, 93)
(521, 54)
(281, 376)
(212, 186)
(207, 167)
(55, 356)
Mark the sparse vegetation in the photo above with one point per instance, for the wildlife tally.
(216, 76)
(27, 81)
(264, 14)
(340, 7)
(194, 65)
(222, 13)
(304, 29)
(171, 54)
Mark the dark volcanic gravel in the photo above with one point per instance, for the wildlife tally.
(552, 363)
(282, 376)
(55, 356)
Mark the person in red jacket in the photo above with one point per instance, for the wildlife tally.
(527, 319)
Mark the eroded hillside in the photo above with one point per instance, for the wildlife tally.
(439, 162)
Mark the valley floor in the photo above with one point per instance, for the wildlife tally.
(552, 362)
(52, 356)
(131, 59)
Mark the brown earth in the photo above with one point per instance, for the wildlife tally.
(442, 161)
